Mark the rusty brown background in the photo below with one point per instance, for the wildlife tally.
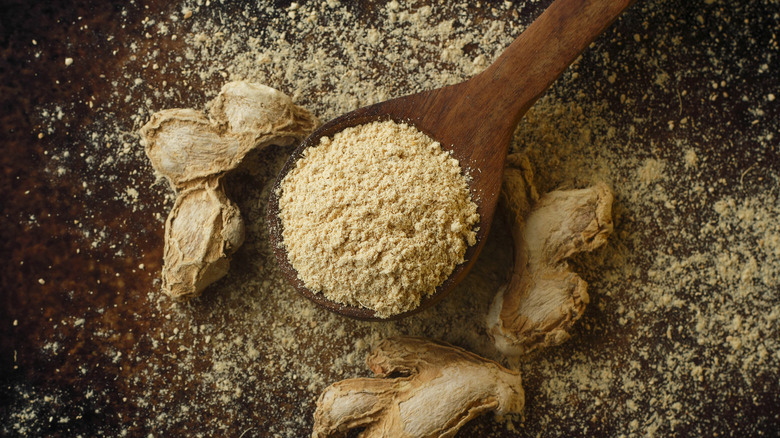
(40, 237)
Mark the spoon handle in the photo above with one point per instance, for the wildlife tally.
(540, 54)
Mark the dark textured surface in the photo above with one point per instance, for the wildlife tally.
(51, 275)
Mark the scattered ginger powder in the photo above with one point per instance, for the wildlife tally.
(377, 216)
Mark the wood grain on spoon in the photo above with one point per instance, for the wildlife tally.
(474, 119)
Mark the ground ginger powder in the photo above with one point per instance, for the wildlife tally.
(377, 216)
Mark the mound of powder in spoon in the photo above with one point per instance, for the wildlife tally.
(377, 216)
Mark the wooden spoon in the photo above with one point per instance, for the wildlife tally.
(475, 119)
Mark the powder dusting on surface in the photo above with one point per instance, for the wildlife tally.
(377, 216)
(670, 107)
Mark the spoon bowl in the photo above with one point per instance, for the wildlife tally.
(474, 119)
(355, 118)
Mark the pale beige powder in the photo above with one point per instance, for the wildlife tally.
(377, 216)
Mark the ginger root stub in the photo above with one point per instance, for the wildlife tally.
(544, 296)
(422, 388)
(193, 150)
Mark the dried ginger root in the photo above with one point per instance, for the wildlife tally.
(423, 389)
(544, 297)
(202, 231)
(193, 150)
(186, 145)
